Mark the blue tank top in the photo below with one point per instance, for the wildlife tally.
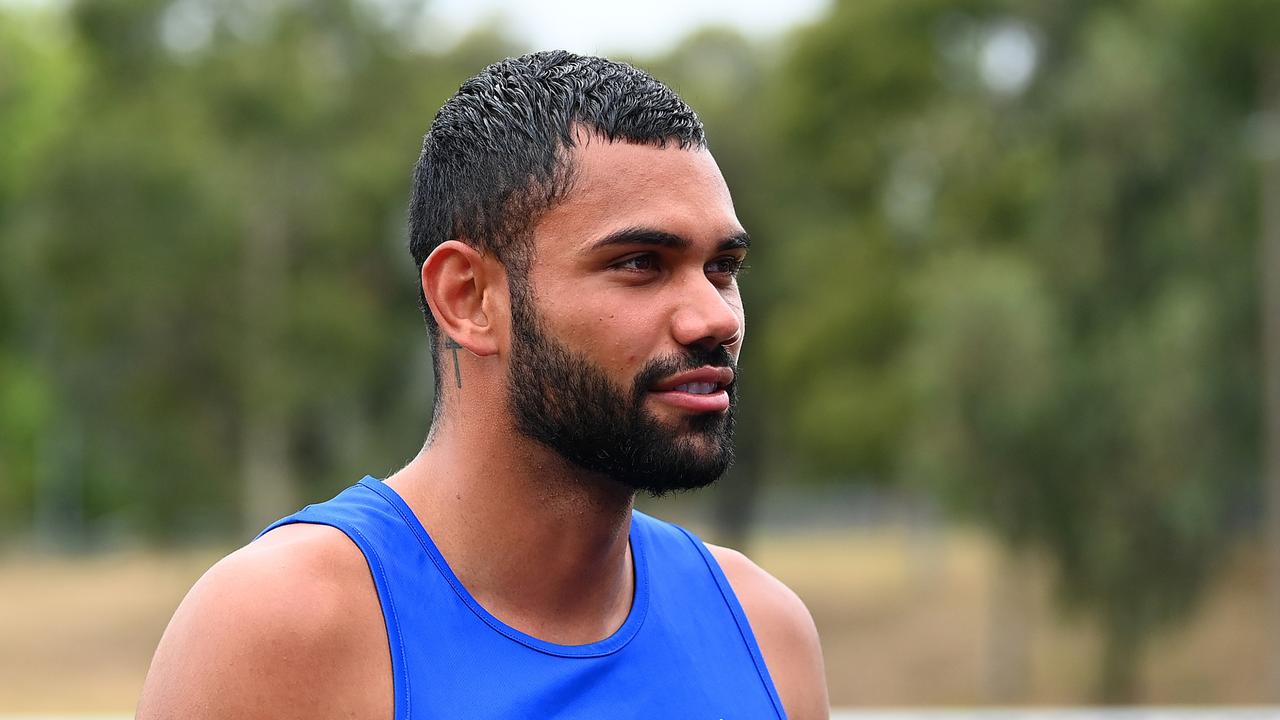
(684, 651)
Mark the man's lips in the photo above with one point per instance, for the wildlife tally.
(700, 390)
(721, 377)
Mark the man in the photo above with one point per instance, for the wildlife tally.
(578, 252)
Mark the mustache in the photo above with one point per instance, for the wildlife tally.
(691, 359)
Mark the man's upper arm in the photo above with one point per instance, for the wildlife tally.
(271, 632)
(785, 631)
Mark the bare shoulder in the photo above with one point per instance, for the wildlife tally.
(785, 631)
(288, 626)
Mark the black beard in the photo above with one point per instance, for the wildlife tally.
(567, 403)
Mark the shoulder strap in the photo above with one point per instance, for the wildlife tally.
(681, 540)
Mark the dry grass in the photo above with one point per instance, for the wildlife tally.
(904, 621)
(77, 634)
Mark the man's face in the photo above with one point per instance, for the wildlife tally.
(626, 334)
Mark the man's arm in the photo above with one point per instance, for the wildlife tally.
(287, 627)
(786, 634)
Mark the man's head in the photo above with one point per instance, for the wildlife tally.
(573, 233)
(497, 154)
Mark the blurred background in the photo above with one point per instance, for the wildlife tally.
(1011, 418)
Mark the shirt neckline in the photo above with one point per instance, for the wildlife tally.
(607, 646)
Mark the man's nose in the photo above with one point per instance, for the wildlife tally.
(706, 316)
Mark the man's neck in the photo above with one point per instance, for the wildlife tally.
(541, 544)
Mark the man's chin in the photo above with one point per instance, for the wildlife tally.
(695, 461)
(661, 486)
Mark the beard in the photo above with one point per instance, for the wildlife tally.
(562, 400)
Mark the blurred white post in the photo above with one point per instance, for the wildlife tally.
(1269, 255)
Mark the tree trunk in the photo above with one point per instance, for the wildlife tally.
(1118, 674)
(59, 492)
(266, 467)
(1269, 263)
(1009, 628)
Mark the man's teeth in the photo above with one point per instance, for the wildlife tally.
(701, 388)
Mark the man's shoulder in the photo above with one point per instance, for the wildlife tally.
(275, 629)
(784, 630)
(310, 571)
(770, 605)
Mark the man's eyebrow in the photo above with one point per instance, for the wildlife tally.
(661, 238)
(641, 236)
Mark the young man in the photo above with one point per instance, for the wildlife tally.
(578, 251)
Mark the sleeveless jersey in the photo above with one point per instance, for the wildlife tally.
(684, 651)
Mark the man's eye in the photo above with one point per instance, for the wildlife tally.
(638, 263)
(727, 265)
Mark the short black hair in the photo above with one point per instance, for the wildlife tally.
(495, 158)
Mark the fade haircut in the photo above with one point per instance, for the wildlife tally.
(496, 156)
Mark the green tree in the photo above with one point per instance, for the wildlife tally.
(1052, 314)
(38, 77)
(226, 303)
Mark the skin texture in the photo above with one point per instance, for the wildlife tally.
(289, 626)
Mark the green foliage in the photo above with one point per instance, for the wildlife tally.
(984, 364)
(38, 77)
(1053, 287)
(214, 235)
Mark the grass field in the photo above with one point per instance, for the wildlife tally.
(904, 621)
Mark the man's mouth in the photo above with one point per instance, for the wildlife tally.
(702, 390)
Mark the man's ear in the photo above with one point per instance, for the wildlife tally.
(456, 281)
